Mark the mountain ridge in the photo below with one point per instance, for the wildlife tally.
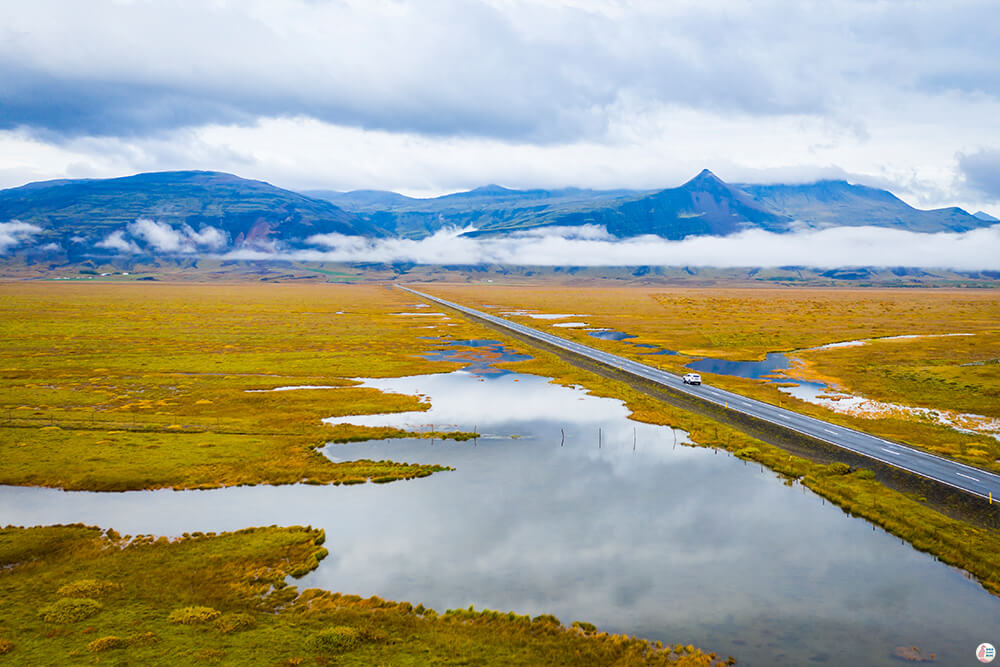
(189, 212)
(79, 215)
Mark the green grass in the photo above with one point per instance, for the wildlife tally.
(147, 386)
(223, 599)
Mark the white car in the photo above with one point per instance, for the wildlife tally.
(692, 378)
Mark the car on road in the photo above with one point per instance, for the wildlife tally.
(692, 378)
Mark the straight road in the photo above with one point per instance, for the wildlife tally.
(966, 478)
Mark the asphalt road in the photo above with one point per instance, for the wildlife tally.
(966, 478)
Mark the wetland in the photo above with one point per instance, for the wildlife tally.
(578, 498)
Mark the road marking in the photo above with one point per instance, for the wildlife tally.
(755, 408)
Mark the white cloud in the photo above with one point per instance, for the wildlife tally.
(159, 235)
(164, 238)
(827, 248)
(445, 95)
(117, 241)
(16, 232)
(208, 238)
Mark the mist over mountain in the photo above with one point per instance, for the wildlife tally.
(191, 213)
(838, 203)
(705, 205)
(182, 211)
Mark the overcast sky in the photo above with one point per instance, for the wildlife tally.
(438, 96)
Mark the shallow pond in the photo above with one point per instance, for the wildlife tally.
(565, 506)
(774, 361)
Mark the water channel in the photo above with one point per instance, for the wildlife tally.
(565, 506)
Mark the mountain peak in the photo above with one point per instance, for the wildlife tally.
(491, 189)
(983, 215)
(705, 177)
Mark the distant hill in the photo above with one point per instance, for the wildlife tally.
(985, 216)
(490, 207)
(195, 212)
(703, 205)
(78, 215)
(838, 203)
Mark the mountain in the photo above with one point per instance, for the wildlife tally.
(838, 203)
(193, 210)
(486, 207)
(704, 205)
(985, 216)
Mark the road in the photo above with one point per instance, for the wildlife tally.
(966, 478)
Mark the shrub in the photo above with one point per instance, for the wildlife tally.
(838, 468)
(865, 474)
(747, 452)
(336, 639)
(372, 634)
(106, 644)
(586, 628)
(193, 615)
(88, 588)
(142, 639)
(70, 610)
(546, 619)
(235, 622)
(6, 646)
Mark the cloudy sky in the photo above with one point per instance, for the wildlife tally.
(437, 96)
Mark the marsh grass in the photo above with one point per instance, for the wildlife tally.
(222, 598)
(117, 387)
(954, 372)
(855, 490)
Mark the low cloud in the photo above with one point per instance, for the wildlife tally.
(163, 238)
(16, 232)
(116, 241)
(591, 246)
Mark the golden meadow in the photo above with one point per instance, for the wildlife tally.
(113, 387)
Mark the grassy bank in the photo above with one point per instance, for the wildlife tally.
(906, 515)
(956, 373)
(80, 595)
(113, 387)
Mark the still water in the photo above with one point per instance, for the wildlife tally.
(565, 506)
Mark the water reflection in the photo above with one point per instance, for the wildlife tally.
(611, 334)
(589, 516)
(479, 355)
(773, 362)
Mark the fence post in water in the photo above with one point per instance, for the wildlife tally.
(563, 440)
(633, 438)
(599, 438)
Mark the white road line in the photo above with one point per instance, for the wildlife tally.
(803, 424)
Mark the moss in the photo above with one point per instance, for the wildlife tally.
(90, 588)
(114, 370)
(70, 610)
(336, 639)
(235, 622)
(224, 585)
(193, 615)
(106, 644)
